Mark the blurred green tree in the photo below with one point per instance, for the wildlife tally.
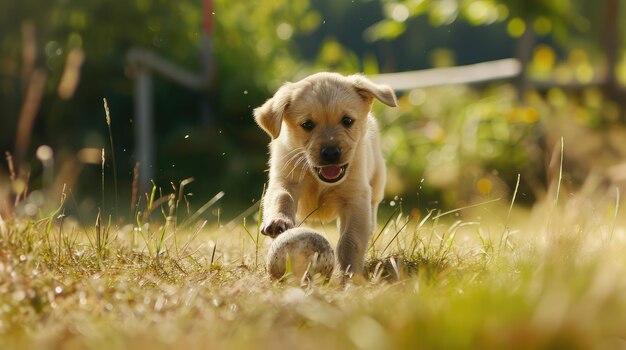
(253, 52)
(258, 44)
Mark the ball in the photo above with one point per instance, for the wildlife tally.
(308, 251)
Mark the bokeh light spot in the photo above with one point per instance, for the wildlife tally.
(516, 27)
(284, 31)
(544, 58)
(399, 13)
(542, 25)
(484, 186)
(44, 153)
(584, 73)
(417, 97)
(482, 12)
(557, 97)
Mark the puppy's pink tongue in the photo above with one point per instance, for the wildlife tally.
(331, 172)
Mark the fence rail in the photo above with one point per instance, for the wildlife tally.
(473, 73)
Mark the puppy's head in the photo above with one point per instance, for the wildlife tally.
(325, 117)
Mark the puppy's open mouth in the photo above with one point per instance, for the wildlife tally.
(331, 173)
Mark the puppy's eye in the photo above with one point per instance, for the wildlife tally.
(307, 125)
(347, 121)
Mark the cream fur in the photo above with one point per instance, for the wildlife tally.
(295, 190)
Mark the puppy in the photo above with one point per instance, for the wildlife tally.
(325, 158)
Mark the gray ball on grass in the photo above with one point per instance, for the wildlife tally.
(306, 249)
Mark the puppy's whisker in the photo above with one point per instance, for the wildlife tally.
(289, 161)
(302, 162)
(293, 158)
(291, 153)
(305, 168)
(301, 177)
(295, 166)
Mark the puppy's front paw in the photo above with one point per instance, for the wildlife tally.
(276, 226)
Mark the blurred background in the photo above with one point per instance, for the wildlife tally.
(487, 91)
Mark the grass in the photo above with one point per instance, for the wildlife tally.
(487, 276)
(490, 275)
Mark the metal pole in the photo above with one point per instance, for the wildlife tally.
(144, 64)
(144, 127)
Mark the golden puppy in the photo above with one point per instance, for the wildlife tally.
(325, 158)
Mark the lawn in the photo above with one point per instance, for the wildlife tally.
(492, 275)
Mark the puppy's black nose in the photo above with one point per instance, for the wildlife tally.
(331, 154)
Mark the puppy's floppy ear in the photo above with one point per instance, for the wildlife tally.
(270, 115)
(368, 90)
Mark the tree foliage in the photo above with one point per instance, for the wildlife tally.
(259, 44)
(545, 17)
